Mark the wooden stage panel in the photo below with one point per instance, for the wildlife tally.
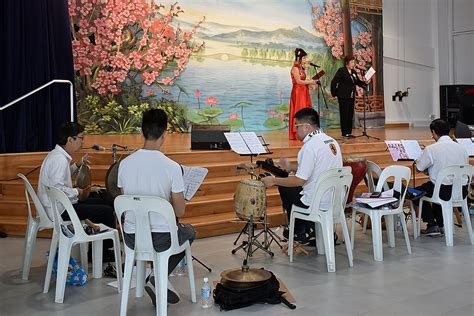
(211, 211)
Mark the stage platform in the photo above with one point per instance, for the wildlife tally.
(211, 211)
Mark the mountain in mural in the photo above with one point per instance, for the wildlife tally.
(279, 38)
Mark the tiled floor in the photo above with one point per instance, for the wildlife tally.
(434, 280)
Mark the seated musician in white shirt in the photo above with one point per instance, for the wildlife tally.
(445, 152)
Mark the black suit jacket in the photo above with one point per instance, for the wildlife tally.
(343, 86)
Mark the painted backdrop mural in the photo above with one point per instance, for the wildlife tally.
(240, 76)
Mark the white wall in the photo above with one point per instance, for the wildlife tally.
(426, 43)
(410, 60)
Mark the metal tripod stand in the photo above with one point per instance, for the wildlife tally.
(366, 98)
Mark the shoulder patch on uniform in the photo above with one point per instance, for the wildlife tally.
(333, 149)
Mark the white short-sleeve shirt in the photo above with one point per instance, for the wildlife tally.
(445, 152)
(149, 172)
(319, 153)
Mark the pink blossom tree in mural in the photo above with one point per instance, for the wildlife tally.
(328, 21)
(121, 45)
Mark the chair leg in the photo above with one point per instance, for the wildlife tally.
(291, 236)
(127, 278)
(420, 211)
(414, 220)
(447, 209)
(347, 240)
(118, 260)
(377, 236)
(390, 227)
(161, 286)
(52, 254)
(140, 278)
(328, 235)
(319, 239)
(63, 262)
(192, 285)
(467, 218)
(366, 220)
(84, 260)
(405, 231)
(353, 227)
(30, 241)
(97, 259)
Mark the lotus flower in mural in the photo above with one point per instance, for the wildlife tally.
(278, 117)
(234, 121)
(120, 45)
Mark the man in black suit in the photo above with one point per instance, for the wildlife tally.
(343, 87)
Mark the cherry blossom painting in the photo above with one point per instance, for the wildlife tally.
(217, 62)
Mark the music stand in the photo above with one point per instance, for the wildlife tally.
(320, 92)
(365, 99)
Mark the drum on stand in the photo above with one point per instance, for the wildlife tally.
(359, 168)
(83, 177)
(250, 199)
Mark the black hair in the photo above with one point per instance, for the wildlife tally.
(307, 115)
(154, 123)
(440, 127)
(68, 129)
(348, 59)
(299, 53)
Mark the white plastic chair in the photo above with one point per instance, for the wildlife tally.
(35, 224)
(65, 244)
(142, 207)
(400, 174)
(459, 174)
(337, 181)
(372, 169)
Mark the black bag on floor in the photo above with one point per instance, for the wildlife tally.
(233, 298)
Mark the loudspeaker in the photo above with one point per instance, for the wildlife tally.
(457, 103)
(209, 137)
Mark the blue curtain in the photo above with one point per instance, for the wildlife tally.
(36, 48)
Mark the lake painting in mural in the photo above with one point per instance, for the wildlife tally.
(247, 58)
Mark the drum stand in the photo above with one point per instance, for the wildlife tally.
(269, 236)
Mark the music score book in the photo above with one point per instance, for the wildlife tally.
(404, 149)
(245, 143)
(193, 178)
(369, 73)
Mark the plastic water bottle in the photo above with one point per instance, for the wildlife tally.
(181, 268)
(206, 299)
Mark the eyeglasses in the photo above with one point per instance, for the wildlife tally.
(80, 137)
(302, 124)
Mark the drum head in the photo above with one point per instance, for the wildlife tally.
(83, 177)
(111, 179)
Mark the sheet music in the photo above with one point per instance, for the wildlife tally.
(369, 73)
(396, 149)
(412, 148)
(376, 202)
(245, 143)
(467, 144)
(193, 178)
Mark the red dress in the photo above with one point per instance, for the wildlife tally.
(300, 98)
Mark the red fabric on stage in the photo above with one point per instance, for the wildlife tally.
(300, 98)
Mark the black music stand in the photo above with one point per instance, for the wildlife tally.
(365, 99)
(320, 89)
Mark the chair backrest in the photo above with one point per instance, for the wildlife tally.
(337, 182)
(142, 207)
(460, 174)
(45, 220)
(461, 130)
(373, 169)
(57, 196)
(400, 174)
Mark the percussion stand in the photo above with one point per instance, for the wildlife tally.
(366, 99)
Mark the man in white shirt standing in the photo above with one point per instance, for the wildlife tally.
(56, 171)
(319, 153)
(149, 172)
(445, 152)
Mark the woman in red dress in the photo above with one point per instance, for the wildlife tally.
(300, 97)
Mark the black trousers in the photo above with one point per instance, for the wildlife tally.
(433, 213)
(292, 196)
(346, 113)
(97, 210)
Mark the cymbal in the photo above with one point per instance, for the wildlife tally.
(244, 277)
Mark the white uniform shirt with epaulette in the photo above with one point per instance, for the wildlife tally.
(319, 153)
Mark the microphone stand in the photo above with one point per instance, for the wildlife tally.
(320, 92)
(365, 99)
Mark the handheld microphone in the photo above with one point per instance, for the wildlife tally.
(119, 146)
(98, 147)
(314, 65)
